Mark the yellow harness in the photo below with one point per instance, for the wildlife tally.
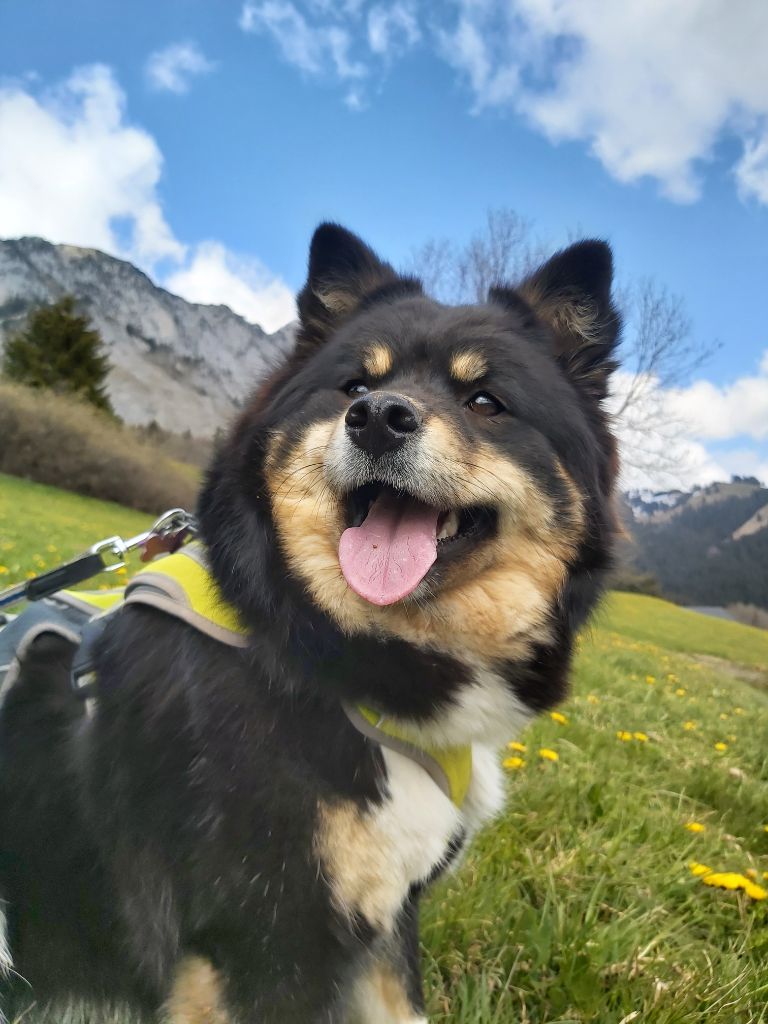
(182, 586)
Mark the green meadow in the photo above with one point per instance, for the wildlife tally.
(627, 879)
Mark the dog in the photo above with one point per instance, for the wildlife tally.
(413, 516)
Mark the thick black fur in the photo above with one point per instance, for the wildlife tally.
(180, 818)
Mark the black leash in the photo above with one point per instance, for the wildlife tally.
(167, 534)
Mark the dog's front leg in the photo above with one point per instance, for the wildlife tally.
(389, 989)
(196, 995)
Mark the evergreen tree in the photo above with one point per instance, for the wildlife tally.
(58, 349)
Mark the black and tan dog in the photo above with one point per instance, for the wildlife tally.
(412, 516)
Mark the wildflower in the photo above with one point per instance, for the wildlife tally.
(721, 747)
(680, 692)
(750, 873)
(549, 755)
(641, 737)
(558, 717)
(650, 679)
(723, 716)
(592, 699)
(688, 726)
(765, 828)
(513, 762)
(699, 869)
(519, 747)
(738, 711)
(30, 575)
(3, 570)
(695, 826)
(622, 734)
(733, 880)
(672, 677)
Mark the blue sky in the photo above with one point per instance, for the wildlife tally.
(204, 140)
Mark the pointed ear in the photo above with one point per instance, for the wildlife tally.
(343, 274)
(571, 293)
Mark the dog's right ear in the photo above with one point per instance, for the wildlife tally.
(343, 273)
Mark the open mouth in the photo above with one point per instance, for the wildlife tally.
(393, 540)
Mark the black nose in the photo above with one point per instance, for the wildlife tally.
(379, 422)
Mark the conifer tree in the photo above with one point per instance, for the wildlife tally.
(58, 349)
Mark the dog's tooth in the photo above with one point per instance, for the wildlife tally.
(450, 527)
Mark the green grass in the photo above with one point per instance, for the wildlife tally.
(579, 905)
(40, 527)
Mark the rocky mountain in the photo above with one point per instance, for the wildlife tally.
(186, 366)
(706, 547)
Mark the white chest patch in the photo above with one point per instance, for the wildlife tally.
(371, 858)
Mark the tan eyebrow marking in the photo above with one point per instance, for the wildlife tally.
(468, 366)
(377, 360)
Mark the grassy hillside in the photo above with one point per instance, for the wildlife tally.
(580, 904)
(41, 526)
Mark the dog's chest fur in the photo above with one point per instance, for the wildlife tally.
(372, 857)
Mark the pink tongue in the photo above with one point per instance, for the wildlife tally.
(388, 556)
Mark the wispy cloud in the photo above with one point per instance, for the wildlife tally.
(105, 194)
(171, 69)
(649, 88)
(313, 48)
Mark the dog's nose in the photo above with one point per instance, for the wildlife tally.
(379, 422)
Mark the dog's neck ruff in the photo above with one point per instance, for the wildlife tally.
(182, 586)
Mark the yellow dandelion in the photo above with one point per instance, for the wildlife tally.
(680, 692)
(592, 699)
(721, 747)
(549, 755)
(622, 734)
(650, 679)
(699, 869)
(558, 717)
(519, 747)
(641, 736)
(688, 726)
(723, 716)
(30, 575)
(733, 880)
(750, 873)
(738, 711)
(513, 762)
(765, 828)
(4, 569)
(695, 826)
(672, 677)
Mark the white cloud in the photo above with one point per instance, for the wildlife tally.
(752, 170)
(215, 275)
(666, 433)
(171, 69)
(392, 28)
(73, 171)
(312, 48)
(651, 87)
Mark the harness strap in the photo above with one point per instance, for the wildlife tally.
(181, 585)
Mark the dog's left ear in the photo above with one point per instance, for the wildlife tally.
(343, 273)
(571, 293)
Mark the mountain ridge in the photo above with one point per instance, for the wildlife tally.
(186, 366)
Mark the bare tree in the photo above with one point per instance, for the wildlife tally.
(659, 351)
(504, 250)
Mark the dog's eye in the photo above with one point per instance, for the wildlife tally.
(355, 387)
(484, 404)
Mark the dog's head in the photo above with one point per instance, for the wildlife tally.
(441, 475)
